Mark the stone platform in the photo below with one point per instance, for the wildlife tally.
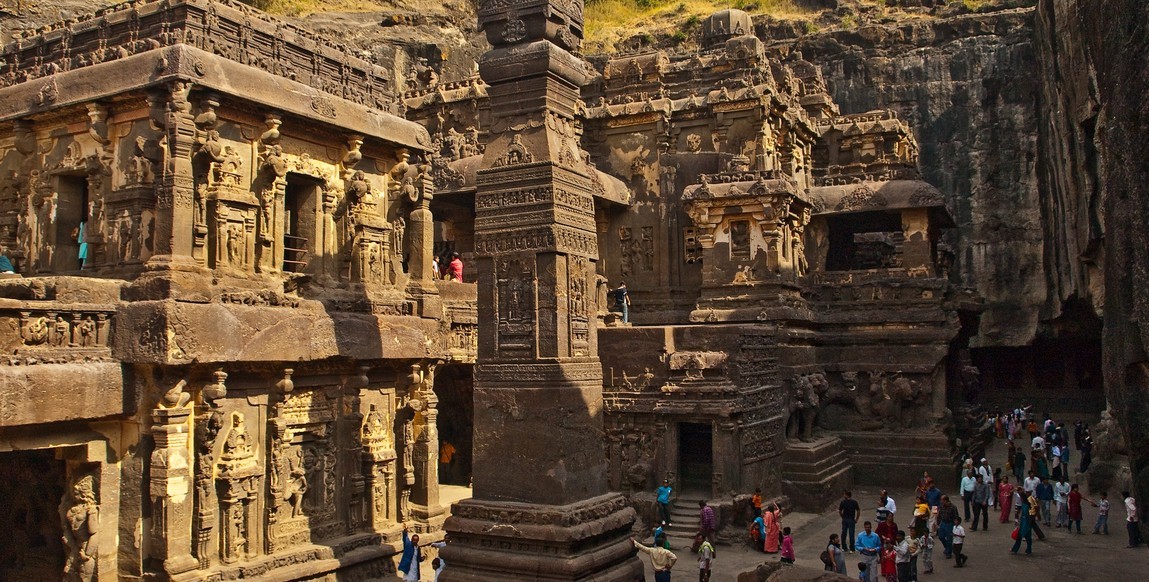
(815, 473)
(586, 541)
(888, 458)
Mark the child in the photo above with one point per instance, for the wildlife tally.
(705, 560)
(959, 540)
(889, 563)
(787, 546)
(863, 575)
(1102, 514)
(756, 501)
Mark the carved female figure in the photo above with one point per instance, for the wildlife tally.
(81, 521)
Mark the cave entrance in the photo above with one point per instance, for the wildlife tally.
(695, 457)
(454, 386)
(300, 207)
(32, 487)
(71, 223)
(1060, 372)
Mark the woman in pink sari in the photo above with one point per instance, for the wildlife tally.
(1004, 498)
(773, 519)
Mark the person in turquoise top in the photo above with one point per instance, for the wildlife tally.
(664, 502)
(83, 254)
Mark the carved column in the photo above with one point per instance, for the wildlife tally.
(425, 493)
(170, 491)
(538, 381)
(171, 113)
(379, 467)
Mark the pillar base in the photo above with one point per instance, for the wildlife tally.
(507, 541)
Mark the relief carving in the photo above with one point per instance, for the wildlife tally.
(80, 516)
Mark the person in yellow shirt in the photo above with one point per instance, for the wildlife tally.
(447, 453)
(661, 558)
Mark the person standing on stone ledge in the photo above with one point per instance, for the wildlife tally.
(455, 268)
(663, 498)
(622, 301)
(661, 558)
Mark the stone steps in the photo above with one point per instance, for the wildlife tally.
(889, 459)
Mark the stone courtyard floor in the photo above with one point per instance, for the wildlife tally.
(1062, 557)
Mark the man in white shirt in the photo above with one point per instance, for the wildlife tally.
(986, 473)
(1031, 483)
(967, 484)
(1131, 519)
(1038, 443)
(1061, 491)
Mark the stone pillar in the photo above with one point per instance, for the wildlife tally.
(541, 508)
(917, 251)
(170, 491)
(425, 493)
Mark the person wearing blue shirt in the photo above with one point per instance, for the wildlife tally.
(664, 502)
(933, 496)
(412, 556)
(869, 544)
(1044, 494)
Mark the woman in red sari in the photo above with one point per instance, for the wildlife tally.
(773, 519)
(1004, 498)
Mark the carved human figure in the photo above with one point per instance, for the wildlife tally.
(235, 245)
(80, 515)
(63, 332)
(37, 331)
(86, 332)
(804, 409)
(296, 481)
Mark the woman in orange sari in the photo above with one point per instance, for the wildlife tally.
(773, 519)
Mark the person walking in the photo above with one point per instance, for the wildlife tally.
(850, 512)
(1045, 496)
(705, 559)
(1024, 528)
(787, 554)
(982, 493)
(707, 523)
(1035, 516)
(1073, 500)
(967, 484)
(1102, 514)
(1004, 499)
(1061, 497)
(1019, 464)
(926, 543)
(661, 559)
(1131, 519)
(959, 543)
(869, 545)
(663, 498)
(835, 560)
(947, 517)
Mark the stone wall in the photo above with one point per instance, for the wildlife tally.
(1099, 137)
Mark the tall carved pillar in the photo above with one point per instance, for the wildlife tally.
(425, 492)
(379, 468)
(171, 113)
(544, 512)
(420, 243)
(170, 490)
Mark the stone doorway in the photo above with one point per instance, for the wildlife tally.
(32, 486)
(695, 457)
(71, 222)
(455, 389)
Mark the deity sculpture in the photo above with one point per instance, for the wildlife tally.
(80, 515)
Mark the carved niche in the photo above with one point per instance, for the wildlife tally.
(239, 487)
(515, 289)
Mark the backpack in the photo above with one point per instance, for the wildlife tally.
(825, 557)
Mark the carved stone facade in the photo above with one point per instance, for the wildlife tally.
(219, 233)
(729, 193)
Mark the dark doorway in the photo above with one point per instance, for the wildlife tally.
(695, 456)
(456, 392)
(864, 240)
(31, 485)
(299, 229)
(71, 222)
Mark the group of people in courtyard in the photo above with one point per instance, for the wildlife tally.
(1038, 494)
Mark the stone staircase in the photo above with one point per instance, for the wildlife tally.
(684, 521)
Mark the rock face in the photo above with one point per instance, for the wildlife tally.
(968, 88)
(1103, 100)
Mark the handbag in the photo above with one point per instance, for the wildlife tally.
(1016, 533)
